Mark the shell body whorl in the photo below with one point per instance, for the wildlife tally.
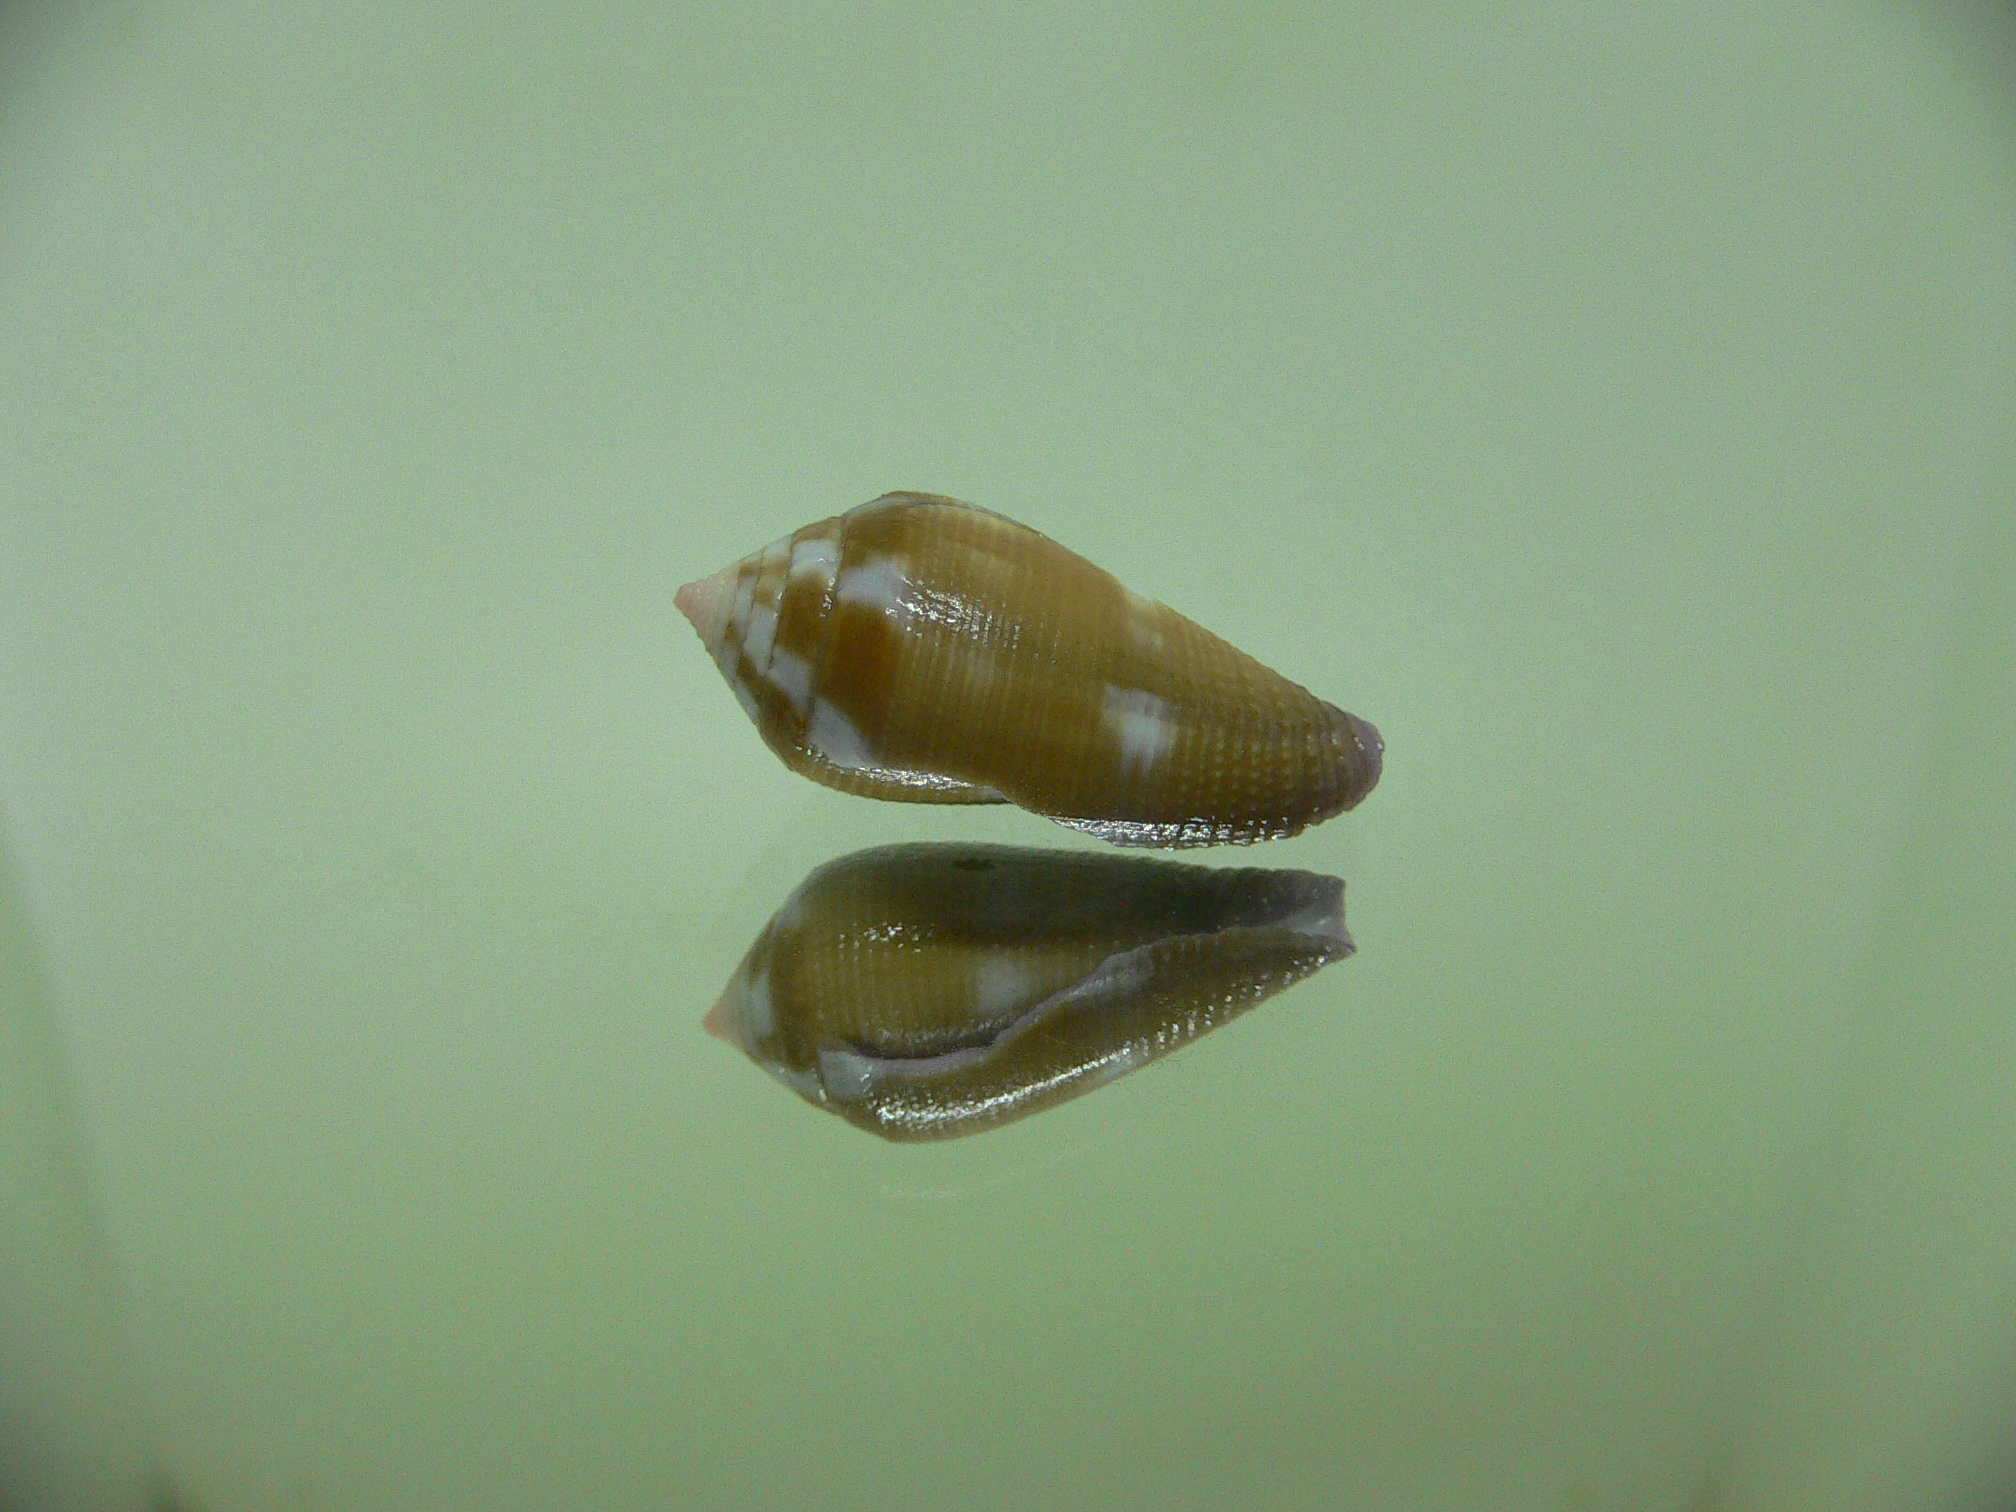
(922, 649)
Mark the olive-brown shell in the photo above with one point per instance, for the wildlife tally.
(922, 649)
(929, 991)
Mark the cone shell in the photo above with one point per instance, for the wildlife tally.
(928, 991)
(922, 649)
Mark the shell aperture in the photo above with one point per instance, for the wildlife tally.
(933, 990)
(922, 649)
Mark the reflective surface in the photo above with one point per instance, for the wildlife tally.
(1613, 404)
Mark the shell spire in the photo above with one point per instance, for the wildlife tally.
(925, 650)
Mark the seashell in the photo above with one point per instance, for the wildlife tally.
(929, 991)
(922, 649)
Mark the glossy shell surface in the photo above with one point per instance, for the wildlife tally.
(929, 991)
(922, 649)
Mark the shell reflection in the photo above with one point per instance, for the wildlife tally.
(929, 991)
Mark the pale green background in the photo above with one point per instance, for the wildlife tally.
(1611, 402)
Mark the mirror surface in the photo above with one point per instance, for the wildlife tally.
(1611, 405)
